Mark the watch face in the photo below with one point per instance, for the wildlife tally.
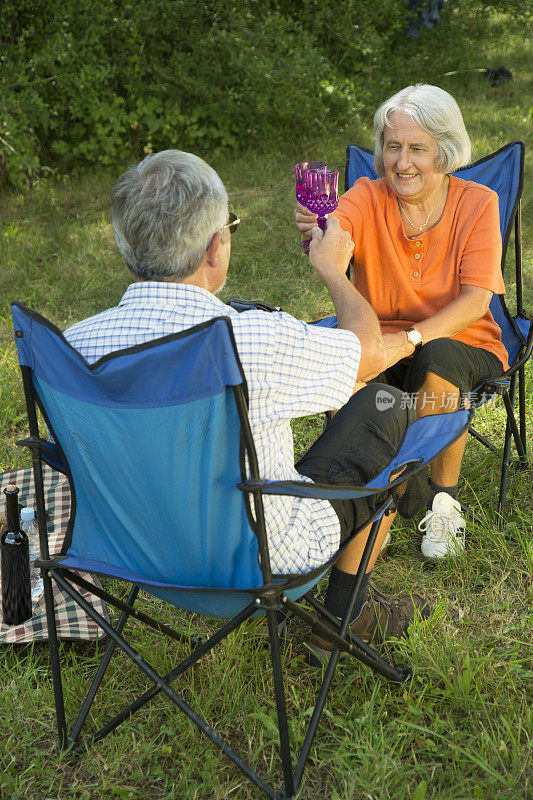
(414, 336)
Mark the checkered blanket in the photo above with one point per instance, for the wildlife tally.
(71, 621)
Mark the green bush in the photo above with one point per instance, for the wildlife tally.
(86, 83)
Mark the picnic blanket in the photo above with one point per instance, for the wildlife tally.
(72, 622)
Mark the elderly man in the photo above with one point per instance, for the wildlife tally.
(172, 225)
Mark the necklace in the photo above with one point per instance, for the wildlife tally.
(410, 221)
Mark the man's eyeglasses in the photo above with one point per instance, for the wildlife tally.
(233, 223)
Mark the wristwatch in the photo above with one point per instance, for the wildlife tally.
(415, 338)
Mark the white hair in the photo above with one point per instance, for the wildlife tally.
(437, 113)
(165, 211)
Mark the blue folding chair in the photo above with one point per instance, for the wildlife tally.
(166, 496)
(502, 171)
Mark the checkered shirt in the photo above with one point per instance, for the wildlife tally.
(292, 369)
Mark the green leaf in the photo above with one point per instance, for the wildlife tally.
(420, 791)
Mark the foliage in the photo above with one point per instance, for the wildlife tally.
(106, 82)
(92, 84)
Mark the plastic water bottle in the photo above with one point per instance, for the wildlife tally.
(14, 564)
(27, 524)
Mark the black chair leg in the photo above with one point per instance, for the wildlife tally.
(279, 691)
(504, 476)
(53, 644)
(515, 432)
(55, 665)
(102, 667)
(363, 652)
(317, 713)
(511, 430)
(469, 512)
(522, 405)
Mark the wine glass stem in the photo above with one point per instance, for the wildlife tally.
(321, 222)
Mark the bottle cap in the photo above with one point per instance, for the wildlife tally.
(27, 515)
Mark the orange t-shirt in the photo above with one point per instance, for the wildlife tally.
(408, 280)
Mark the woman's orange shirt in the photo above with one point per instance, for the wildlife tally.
(407, 280)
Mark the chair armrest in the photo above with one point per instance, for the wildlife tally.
(424, 439)
(326, 322)
(482, 394)
(251, 305)
(528, 347)
(49, 452)
(317, 491)
(498, 386)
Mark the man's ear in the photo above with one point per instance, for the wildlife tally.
(212, 250)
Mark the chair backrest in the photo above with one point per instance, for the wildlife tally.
(152, 437)
(503, 172)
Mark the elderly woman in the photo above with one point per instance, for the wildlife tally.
(427, 253)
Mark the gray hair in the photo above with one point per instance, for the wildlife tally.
(165, 212)
(437, 113)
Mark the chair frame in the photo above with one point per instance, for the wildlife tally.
(505, 385)
(268, 598)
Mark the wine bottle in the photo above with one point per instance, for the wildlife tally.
(15, 564)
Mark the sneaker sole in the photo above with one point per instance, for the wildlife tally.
(432, 559)
(436, 559)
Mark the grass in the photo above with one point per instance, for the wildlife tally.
(462, 727)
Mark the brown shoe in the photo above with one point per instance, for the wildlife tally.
(383, 616)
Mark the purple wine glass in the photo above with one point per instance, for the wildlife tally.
(321, 196)
(321, 193)
(300, 171)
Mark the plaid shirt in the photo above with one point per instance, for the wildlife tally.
(292, 370)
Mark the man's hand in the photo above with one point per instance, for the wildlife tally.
(330, 251)
(329, 254)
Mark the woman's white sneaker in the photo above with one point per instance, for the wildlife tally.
(443, 528)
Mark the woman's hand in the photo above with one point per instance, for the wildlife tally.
(305, 220)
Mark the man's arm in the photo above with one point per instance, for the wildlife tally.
(329, 254)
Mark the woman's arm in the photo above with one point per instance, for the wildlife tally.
(305, 220)
(472, 304)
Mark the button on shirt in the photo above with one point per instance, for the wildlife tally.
(292, 370)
